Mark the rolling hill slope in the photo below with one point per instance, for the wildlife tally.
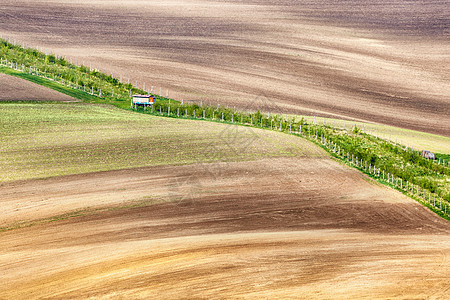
(279, 227)
(198, 209)
(99, 202)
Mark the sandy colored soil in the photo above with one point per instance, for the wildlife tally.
(385, 62)
(13, 88)
(272, 228)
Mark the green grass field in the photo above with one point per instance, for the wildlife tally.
(45, 140)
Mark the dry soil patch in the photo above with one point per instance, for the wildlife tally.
(13, 88)
(270, 228)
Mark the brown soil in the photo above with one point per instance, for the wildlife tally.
(272, 228)
(382, 61)
(13, 88)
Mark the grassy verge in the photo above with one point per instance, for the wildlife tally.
(406, 137)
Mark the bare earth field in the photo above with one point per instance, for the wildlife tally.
(381, 61)
(13, 88)
(286, 227)
(98, 202)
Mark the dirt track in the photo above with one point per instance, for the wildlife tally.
(268, 228)
(13, 88)
(382, 62)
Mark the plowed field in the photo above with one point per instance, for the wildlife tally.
(286, 227)
(102, 203)
(383, 61)
(13, 88)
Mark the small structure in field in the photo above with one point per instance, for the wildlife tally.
(428, 155)
(142, 100)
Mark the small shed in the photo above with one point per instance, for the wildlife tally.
(428, 155)
(143, 100)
